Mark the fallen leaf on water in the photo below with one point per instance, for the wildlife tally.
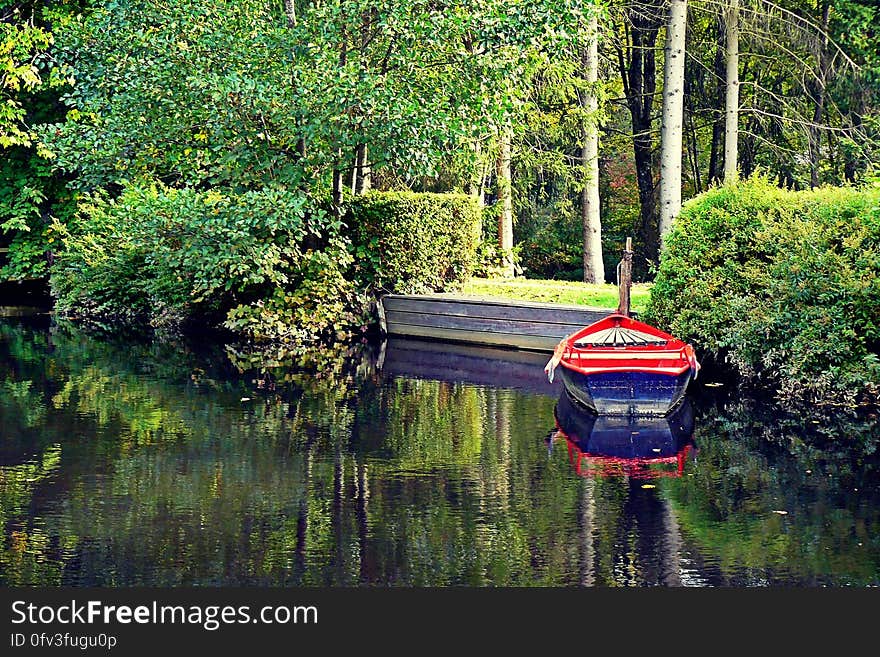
(782, 513)
(648, 486)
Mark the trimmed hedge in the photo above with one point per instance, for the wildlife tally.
(782, 286)
(410, 242)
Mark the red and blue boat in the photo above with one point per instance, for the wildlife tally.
(621, 366)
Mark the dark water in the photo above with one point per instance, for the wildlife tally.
(129, 463)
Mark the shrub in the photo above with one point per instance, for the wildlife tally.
(29, 194)
(409, 242)
(166, 256)
(553, 243)
(325, 303)
(782, 286)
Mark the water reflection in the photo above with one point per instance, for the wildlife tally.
(633, 446)
(135, 463)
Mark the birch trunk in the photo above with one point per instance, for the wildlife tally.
(594, 268)
(361, 182)
(475, 188)
(673, 114)
(505, 201)
(731, 96)
(290, 12)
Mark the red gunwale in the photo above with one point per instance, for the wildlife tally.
(671, 358)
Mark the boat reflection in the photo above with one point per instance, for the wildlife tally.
(634, 446)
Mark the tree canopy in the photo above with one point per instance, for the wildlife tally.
(329, 98)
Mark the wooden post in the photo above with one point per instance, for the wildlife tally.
(624, 280)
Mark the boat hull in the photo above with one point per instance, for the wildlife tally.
(636, 446)
(626, 392)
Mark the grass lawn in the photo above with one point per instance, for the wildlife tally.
(584, 294)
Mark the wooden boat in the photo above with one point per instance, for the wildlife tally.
(621, 366)
(639, 447)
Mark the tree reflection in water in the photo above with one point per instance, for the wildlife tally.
(137, 463)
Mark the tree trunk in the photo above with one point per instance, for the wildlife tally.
(639, 75)
(673, 112)
(505, 201)
(731, 96)
(649, 235)
(290, 12)
(337, 191)
(693, 145)
(594, 267)
(720, 70)
(475, 186)
(819, 94)
(361, 172)
(850, 162)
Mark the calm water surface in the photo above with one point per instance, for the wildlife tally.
(129, 463)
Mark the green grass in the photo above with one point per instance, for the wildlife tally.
(584, 294)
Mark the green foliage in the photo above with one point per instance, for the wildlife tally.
(29, 194)
(169, 255)
(324, 303)
(237, 93)
(30, 191)
(408, 242)
(784, 286)
(182, 91)
(553, 242)
(490, 260)
(22, 42)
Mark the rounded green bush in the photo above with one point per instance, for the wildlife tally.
(782, 286)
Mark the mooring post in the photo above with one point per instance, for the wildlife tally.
(624, 278)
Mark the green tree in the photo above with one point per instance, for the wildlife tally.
(30, 191)
(245, 93)
(22, 42)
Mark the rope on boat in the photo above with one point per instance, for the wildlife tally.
(554, 361)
